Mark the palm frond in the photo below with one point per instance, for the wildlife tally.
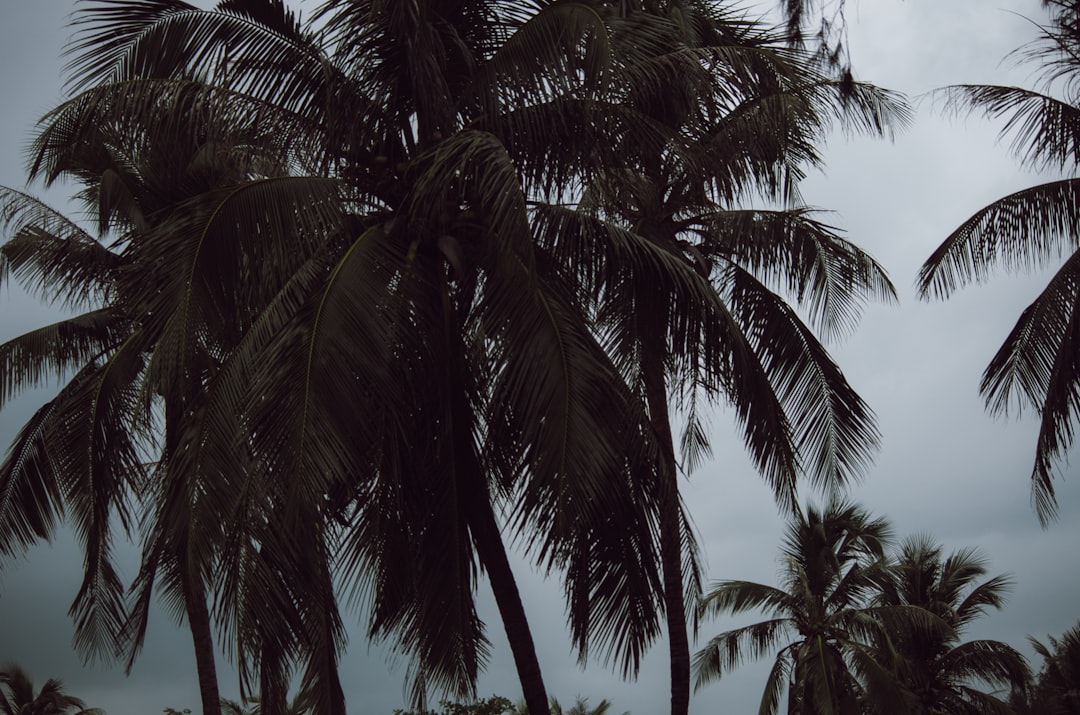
(31, 495)
(836, 433)
(563, 49)
(740, 596)
(727, 650)
(1022, 231)
(135, 116)
(1045, 130)
(828, 274)
(989, 661)
(50, 254)
(98, 438)
(777, 681)
(57, 350)
(1036, 364)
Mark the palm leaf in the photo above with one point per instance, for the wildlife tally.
(51, 253)
(1037, 360)
(1021, 231)
(828, 274)
(727, 650)
(835, 430)
(56, 350)
(31, 496)
(1045, 130)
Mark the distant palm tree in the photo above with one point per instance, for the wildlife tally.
(1038, 363)
(821, 623)
(580, 707)
(299, 705)
(937, 668)
(17, 696)
(1056, 688)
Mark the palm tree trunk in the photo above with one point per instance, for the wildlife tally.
(198, 616)
(492, 554)
(670, 526)
(475, 496)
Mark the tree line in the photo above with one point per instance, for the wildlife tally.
(859, 624)
(366, 296)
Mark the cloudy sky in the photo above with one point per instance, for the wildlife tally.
(946, 468)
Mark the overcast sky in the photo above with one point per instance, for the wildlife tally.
(946, 468)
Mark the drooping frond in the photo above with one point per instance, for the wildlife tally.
(563, 49)
(1022, 231)
(740, 596)
(989, 661)
(50, 254)
(1037, 364)
(58, 350)
(1044, 130)
(98, 437)
(729, 649)
(826, 273)
(835, 430)
(31, 496)
(137, 116)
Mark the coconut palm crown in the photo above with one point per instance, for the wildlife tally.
(820, 621)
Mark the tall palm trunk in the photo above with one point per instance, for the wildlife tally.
(670, 528)
(194, 592)
(202, 636)
(475, 496)
(653, 375)
(492, 554)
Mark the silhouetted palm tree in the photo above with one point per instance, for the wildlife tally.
(939, 669)
(735, 120)
(441, 130)
(1056, 688)
(17, 696)
(821, 621)
(432, 307)
(1037, 364)
(159, 323)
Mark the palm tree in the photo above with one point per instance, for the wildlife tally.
(431, 304)
(735, 119)
(151, 182)
(1056, 688)
(1036, 365)
(935, 665)
(17, 696)
(299, 705)
(820, 615)
(581, 707)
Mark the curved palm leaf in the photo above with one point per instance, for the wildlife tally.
(1028, 229)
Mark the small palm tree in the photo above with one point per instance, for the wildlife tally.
(1056, 690)
(1037, 364)
(934, 665)
(17, 696)
(821, 621)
